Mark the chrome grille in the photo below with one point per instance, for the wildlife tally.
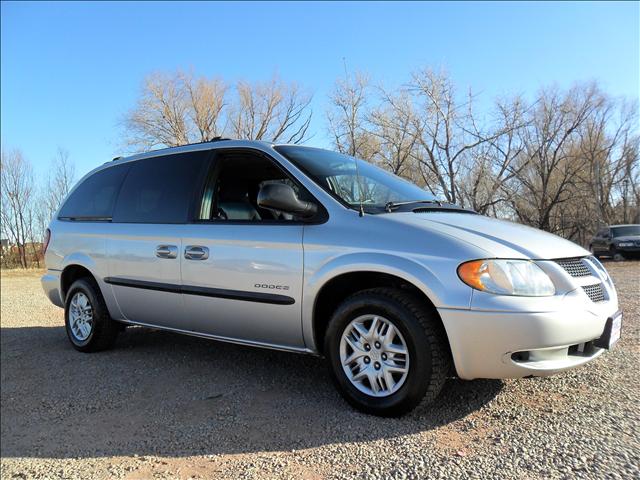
(574, 267)
(594, 292)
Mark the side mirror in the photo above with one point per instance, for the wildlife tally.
(279, 196)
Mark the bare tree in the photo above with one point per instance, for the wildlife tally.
(446, 131)
(17, 184)
(494, 163)
(392, 124)
(180, 108)
(206, 99)
(175, 109)
(630, 188)
(553, 154)
(160, 115)
(51, 193)
(33, 232)
(347, 117)
(607, 144)
(61, 178)
(272, 110)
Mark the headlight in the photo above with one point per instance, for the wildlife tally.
(507, 277)
(625, 244)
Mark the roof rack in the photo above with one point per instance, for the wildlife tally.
(214, 139)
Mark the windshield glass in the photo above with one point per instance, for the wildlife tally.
(624, 231)
(336, 173)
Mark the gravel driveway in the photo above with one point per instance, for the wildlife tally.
(166, 406)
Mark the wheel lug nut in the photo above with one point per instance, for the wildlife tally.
(384, 356)
(367, 347)
(367, 360)
(377, 344)
(376, 365)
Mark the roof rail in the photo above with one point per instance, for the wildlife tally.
(214, 139)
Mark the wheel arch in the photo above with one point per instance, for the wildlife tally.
(76, 266)
(70, 274)
(335, 282)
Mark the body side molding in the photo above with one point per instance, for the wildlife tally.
(203, 291)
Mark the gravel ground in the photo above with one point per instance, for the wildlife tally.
(166, 406)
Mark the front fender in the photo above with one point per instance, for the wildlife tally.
(435, 283)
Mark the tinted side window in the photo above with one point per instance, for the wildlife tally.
(95, 197)
(160, 189)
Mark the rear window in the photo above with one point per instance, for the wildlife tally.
(95, 197)
(160, 189)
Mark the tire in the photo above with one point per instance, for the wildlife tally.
(88, 336)
(618, 257)
(421, 333)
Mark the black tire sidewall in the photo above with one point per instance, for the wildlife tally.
(417, 381)
(85, 287)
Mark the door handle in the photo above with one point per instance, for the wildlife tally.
(166, 251)
(196, 252)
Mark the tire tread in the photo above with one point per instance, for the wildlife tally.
(425, 319)
(440, 356)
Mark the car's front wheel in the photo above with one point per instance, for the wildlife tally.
(618, 257)
(87, 321)
(387, 351)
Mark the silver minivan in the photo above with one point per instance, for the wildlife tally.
(311, 251)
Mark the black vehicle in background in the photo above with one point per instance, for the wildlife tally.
(617, 241)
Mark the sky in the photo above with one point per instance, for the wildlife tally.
(70, 71)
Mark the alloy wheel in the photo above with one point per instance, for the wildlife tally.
(80, 317)
(374, 355)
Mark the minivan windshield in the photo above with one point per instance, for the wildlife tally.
(337, 174)
(625, 231)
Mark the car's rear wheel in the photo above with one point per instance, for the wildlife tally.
(387, 351)
(87, 321)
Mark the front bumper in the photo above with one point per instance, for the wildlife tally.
(502, 344)
(51, 286)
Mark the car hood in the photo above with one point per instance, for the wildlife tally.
(498, 238)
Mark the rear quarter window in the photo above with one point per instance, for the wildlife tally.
(95, 197)
(160, 189)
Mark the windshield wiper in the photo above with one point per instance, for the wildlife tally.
(391, 206)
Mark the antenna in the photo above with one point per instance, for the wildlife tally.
(355, 160)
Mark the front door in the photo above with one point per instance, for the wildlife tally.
(242, 265)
